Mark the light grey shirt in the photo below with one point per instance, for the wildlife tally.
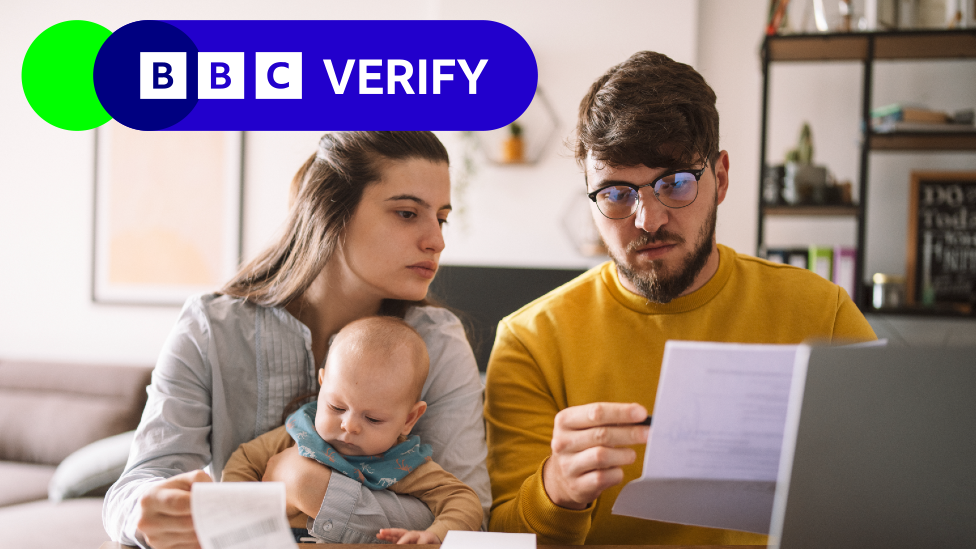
(224, 377)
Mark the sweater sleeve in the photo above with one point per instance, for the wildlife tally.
(519, 412)
(454, 504)
(250, 460)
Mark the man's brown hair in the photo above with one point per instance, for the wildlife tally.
(648, 110)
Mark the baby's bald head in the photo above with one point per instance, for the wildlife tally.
(385, 346)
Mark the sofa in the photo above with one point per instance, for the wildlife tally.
(65, 433)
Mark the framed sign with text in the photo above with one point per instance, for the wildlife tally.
(942, 240)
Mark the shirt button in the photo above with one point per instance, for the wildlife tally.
(327, 526)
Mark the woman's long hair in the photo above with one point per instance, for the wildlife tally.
(324, 195)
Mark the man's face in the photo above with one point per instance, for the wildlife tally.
(661, 253)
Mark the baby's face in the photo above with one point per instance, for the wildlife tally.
(363, 410)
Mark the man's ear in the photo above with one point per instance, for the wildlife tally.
(416, 411)
(721, 168)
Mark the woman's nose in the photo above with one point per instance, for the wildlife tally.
(433, 238)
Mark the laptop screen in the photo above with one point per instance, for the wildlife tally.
(883, 447)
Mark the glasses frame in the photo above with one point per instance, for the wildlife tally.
(696, 173)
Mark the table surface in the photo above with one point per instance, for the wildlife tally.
(114, 545)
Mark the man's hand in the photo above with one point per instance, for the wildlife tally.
(587, 453)
(400, 536)
(306, 480)
(164, 513)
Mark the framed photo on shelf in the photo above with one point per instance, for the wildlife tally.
(167, 214)
(942, 240)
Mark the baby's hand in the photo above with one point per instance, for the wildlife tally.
(400, 536)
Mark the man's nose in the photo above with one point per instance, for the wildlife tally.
(651, 214)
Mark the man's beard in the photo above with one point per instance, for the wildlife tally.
(662, 287)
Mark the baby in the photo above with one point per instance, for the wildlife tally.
(368, 403)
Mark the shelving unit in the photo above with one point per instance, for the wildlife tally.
(866, 48)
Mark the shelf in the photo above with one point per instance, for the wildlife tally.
(924, 141)
(937, 44)
(866, 49)
(833, 211)
(942, 310)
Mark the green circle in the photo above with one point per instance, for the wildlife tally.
(58, 75)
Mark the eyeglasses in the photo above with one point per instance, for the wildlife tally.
(675, 190)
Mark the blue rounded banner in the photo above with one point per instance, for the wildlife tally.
(315, 75)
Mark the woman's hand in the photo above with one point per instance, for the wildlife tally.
(400, 536)
(306, 480)
(165, 520)
(588, 450)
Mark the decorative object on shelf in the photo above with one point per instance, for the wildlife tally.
(803, 183)
(525, 140)
(167, 214)
(513, 148)
(777, 16)
(921, 14)
(888, 291)
(942, 240)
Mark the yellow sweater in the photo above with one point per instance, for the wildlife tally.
(591, 340)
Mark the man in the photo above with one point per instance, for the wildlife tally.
(573, 373)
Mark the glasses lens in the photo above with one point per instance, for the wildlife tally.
(679, 189)
(617, 202)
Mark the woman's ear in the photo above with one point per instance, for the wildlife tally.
(416, 411)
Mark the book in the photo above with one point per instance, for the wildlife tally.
(901, 113)
(844, 259)
(820, 260)
(893, 126)
(796, 257)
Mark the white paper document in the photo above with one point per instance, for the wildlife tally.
(459, 539)
(241, 515)
(713, 452)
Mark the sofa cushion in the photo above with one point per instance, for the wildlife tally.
(91, 470)
(70, 524)
(47, 411)
(23, 482)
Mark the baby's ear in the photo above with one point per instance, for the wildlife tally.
(321, 376)
(416, 411)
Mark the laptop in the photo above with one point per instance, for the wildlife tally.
(880, 451)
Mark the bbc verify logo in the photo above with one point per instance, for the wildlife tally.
(278, 75)
(220, 75)
(301, 75)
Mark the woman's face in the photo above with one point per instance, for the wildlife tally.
(393, 242)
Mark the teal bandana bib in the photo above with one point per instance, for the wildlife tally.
(376, 472)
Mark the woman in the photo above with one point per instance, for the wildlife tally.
(363, 237)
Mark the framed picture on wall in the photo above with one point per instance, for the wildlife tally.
(167, 220)
(942, 240)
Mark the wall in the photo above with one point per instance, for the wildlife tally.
(508, 215)
(46, 182)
